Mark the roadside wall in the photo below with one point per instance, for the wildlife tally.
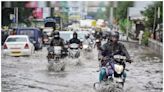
(156, 46)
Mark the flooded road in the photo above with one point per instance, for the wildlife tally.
(30, 74)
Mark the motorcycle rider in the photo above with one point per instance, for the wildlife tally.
(98, 36)
(104, 39)
(56, 41)
(87, 40)
(112, 47)
(75, 40)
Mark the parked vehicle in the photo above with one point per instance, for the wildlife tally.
(17, 45)
(34, 34)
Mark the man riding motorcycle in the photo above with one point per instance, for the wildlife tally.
(75, 40)
(88, 43)
(104, 40)
(112, 47)
(56, 41)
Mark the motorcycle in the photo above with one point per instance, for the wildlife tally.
(98, 43)
(54, 59)
(74, 50)
(115, 82)
(87, 46)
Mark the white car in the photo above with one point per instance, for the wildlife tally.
(18, 45)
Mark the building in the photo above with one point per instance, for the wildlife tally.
(135, 15)
(77, 10)
(135, 11)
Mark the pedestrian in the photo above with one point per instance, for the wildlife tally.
(140, 37)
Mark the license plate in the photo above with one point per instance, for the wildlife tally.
(118, 80)
(15, 52)
(15, 48)
(45, 40)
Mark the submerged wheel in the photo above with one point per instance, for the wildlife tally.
(118, 90)
(96, 85)
(63, 68)
(50, 68)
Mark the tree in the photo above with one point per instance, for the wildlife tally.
(151, 14)
(64, 11)
(23, 13)
(122, 8)
(6, 16)
(121, 14)
(100, 12)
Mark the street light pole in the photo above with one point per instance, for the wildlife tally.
(16, 15)
(127, 26)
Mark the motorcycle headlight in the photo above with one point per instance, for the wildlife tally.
(97, 40)
(51, 52)
(85, 46)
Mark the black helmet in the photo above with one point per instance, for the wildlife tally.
(115, 34)
(75, 33)
(87, 36)
(56, 34)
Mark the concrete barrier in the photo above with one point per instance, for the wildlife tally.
(156, 46)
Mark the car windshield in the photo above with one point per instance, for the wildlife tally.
(30, 33)
(65, 36)
(17, 39)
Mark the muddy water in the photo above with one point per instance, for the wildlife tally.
(30, 74)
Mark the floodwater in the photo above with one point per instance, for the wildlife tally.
(30, 74)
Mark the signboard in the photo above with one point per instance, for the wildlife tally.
(88, 17)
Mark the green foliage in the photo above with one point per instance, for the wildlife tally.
(150, 12)
(100, 13)
(121, 14)
(23, 14)
(146, 36)
(123, 23)
(122, 8)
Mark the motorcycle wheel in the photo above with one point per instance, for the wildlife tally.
(118, 90)
(63, 68)
(96, 85)
(115, 88)
(50, 68)
(77, 55)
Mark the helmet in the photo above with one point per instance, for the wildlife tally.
(87, 36)
(75, 33)
(115, 34)
(104, 36)
(56, 34)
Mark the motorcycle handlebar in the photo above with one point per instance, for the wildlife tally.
(107, 58)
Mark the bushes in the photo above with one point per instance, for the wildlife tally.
(146, 36)
(123, 23)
